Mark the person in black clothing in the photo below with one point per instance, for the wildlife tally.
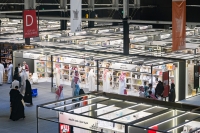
(159, 89)
(28, 93)
(172, 94)
(17, 76)
(4, 64)
(17, 107)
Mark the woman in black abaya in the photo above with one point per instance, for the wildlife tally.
(28, 93)
(17, 107)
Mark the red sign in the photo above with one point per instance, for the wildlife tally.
(64, 128)
(178, 24)
(166, 83)
(30, 27)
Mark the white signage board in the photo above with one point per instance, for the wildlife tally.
(31, 56)
(122, 66)
(73, 60)
(75, 15)
(78, 121)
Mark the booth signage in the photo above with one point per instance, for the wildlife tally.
(73, 60)
(30, 28)
(178, 24)
(128, 67)
(31, 56)
(75, 15)
(78, 121)
(64, 128)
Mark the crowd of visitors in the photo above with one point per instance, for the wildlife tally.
(21, 91)
(158, 92)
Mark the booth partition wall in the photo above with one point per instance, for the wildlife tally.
(108, 113)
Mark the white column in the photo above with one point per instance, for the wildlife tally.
(126, 8)
(91, 4)
(29, 4)
(115, 4)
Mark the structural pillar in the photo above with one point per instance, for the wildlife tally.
(63, 23)
(29, 4)
(126, 39)
(136, 10)
(91, 13)
(181, 78)
(116, 8)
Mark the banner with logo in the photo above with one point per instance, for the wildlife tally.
(64, 128)
(166, 83)
(30, 27)
(178, 24)
(75, 15)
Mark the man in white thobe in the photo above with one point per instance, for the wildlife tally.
(2, 71)
(24, 77)
(10, 70)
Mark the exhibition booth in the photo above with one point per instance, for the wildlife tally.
(57, 66)
(113, 113)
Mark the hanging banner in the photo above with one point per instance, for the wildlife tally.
(30, 27)
(75, 15)
(178, 24)
(166, 83)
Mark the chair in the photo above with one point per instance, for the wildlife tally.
(35, 78)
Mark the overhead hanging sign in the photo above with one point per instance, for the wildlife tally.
(30, 28)
(75, 15)
(178, 24)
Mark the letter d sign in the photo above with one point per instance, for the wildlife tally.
(30, 26)
(29, 17)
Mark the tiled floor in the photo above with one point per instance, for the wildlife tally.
(28, 125)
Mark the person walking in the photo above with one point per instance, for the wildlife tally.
(28, 93)
(2, 71)
(172, 94)
(76, 82)
(72, 83)
(17, 76)
(24, 77)
(19, 68)
(16, 104)
(10, 72)
(15, 83)
(146, 89)
(159, 90)
(151, 89)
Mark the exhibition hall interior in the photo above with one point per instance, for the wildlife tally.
(99, 66)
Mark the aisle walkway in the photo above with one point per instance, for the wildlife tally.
(28, 125)
(193, 100)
